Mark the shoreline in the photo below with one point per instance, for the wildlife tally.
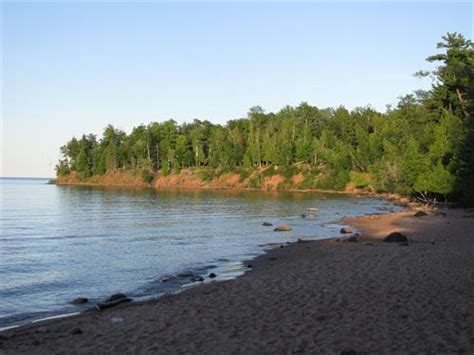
(186, 285)
(178, 277)
(404, 201)
(323, 296)
(64, 309)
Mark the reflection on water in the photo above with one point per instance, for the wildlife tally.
(58, 242)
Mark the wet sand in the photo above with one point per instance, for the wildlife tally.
(310, 297)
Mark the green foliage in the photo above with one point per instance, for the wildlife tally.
(288, 171)
(147, 176)
(270, 171)
(165, 168)
(244, 174)
(360, 180)
(62, 168)
(206, 174)
(437, 180)
(422, 145)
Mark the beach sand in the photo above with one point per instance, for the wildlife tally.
(308, 297)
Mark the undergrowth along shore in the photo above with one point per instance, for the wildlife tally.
(203, 179)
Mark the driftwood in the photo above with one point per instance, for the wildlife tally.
(104, 305)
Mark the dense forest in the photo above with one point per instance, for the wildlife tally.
(422, 147)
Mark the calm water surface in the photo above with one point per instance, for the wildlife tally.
(58, 243)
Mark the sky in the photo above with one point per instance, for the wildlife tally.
(72, 68)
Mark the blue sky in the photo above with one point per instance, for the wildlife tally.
(72, 68)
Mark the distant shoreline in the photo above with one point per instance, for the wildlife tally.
(117, 182)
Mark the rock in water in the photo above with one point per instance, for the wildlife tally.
(212, 275)
(115, 297)
(283, 228)
(420, 214)
(197, 279)
(267, 224)
(80, 300)
(346, 230)
(396, 237)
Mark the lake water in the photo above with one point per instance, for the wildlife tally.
(58, 243)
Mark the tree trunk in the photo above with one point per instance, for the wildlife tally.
(462, 102)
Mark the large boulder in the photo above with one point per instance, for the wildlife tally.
(346, 230)
(283, 228)
(396, 237)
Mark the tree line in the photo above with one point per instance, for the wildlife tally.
(423, 145)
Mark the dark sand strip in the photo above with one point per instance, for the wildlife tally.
(324, 297)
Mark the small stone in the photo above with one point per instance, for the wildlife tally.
(249, 266)
(212, 275)
(197, 279)
(346, 230)
(352, 239)
(283, 228)
(267, 224)
(80, 300)
(420, 214)
(76, 331)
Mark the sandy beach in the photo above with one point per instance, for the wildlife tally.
(307, 297)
